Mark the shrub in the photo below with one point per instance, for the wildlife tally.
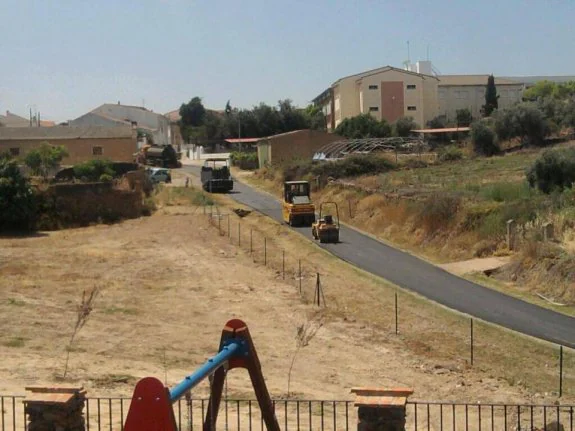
(524, 121)
(464, 117)
(17, 200)
(92, 170)
(106, 178)
(363, 126)
(438, 211)
(353, 166)
(554, 169)
(244, 160)
(483, 139)
(404, 126)
(43, 159)
(449, 153)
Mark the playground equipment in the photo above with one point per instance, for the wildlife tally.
(297, 208)
(326, 229)
(216, 175)
(151, 406)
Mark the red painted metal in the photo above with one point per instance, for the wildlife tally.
(150, 409)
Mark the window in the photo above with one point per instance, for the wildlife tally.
(373, 87)
(97, 151)
(14, 151)
(411, 87)
(411, 108)
(442, 94)
(373, 108)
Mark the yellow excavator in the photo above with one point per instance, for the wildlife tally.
(297, 208)
(326, 229)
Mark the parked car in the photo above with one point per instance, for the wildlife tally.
(160, 175)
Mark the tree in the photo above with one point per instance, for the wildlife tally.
(363, 126)
(192, 115)
(438, 122)
(554, 169)
(491, 97)
(483, 139)
(316, 119)
(94, 170)
(43, 159)
(17, 201)
(464, 117)
(524, 121)
(404, 126)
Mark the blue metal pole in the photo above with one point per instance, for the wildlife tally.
(229, 350)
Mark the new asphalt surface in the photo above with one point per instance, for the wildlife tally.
(414, 274)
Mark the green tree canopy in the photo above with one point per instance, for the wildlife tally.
(17, 202)
(464, 117)
(43, 159)
(363, 126)
(491, 97)
(404, 126)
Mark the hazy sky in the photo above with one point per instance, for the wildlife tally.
(66, 57)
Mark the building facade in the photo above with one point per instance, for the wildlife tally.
(386, 93)
(468, 92)
(117, 144)
(298, 144)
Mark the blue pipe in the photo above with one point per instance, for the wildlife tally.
(233, 348)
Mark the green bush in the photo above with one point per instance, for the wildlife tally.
(245, 160)
(46, 157)
(524, 121)
(483, 139)
(17, 199)
(449, 153)
(554, 169)
(363, 126)
(106, 178)
(353, 166)
(404, 126)
(93, 170)
(438, 211)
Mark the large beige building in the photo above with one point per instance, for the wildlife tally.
(468, 91)
(386, 93)
(390, 93)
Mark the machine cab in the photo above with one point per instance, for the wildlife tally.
(296, 192)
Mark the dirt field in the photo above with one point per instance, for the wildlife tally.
(169, 283)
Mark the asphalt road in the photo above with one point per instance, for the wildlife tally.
(412, 273)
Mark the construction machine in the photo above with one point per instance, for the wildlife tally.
(297, 208)
(216, 175)
(326, 229)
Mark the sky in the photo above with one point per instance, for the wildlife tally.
(64, 58)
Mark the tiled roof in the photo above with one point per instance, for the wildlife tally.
(64, 132)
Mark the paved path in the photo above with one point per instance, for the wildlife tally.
(430, 281)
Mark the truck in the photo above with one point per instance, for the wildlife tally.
(162, 157)
(215, 175)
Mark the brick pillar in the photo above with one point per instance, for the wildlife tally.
(381, 409)
(55, 408)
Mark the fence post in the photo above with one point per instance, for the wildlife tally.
(220, 224)
(299, 263)
(349, 207)
(560, 371)
(251, 241)
(396, 316)
(229, 229)
(283, 264)
(239, 234)
(471, 330)
(265, 251)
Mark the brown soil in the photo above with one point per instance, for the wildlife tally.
(169, 283)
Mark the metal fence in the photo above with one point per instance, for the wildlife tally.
(107, 414)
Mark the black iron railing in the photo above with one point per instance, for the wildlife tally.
(107, 414)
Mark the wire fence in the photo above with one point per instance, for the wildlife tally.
(309, 281)
(107, 414)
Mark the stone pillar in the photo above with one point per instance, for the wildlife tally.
(548, 232)
(381, 409)
(511, 234)
(55, 408)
